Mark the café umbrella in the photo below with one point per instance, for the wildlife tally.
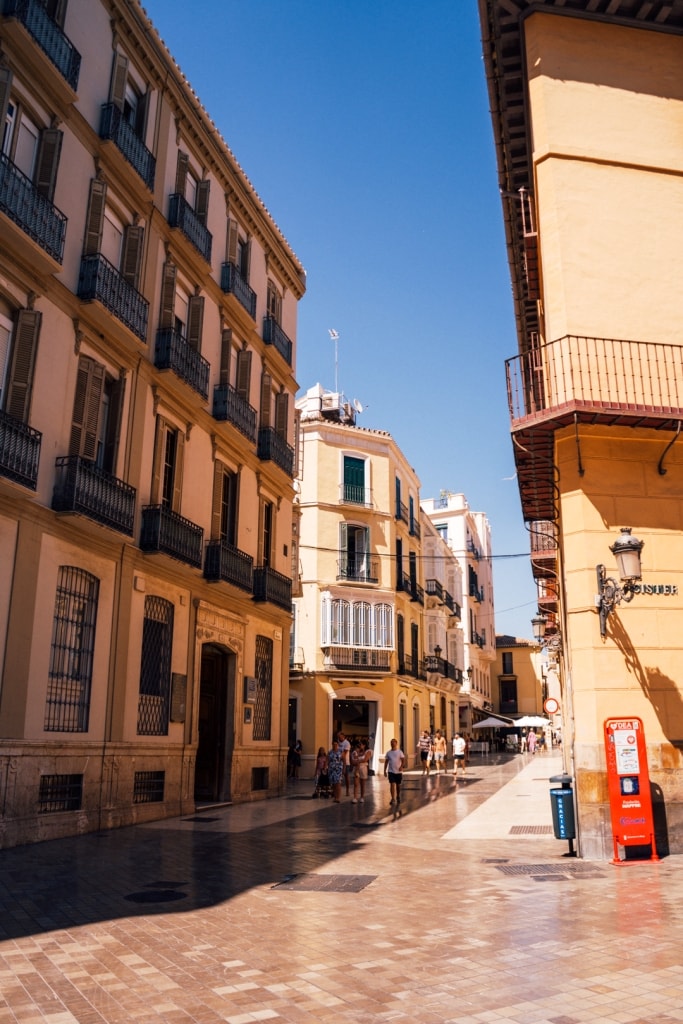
(493, 723)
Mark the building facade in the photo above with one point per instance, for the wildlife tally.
(371, 644)
(148, 307)
(587, 106)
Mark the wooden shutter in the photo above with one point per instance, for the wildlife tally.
(281, 413)
(182, 167)
(217, 500)
(5, 89)
(131, 253)
(95, 220)
(178, 471)
(266, 388)
(111, 441)
(119, 77)
(246, 261)
(202, 203)
(344, 541)
(141, 115)
(49, 148)
(226, 352)
(233, 238)
(158, 461)
(243, 378)
(57, 11)
(22, 364)
(167, 311)
(195, 321)
(87, 404)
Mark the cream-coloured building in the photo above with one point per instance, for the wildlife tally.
(468, 536)
(587, 102)
(148, 307)
(371, 643)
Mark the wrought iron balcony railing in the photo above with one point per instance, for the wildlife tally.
(410, 586)
(448, 601)
(271, 446)
(227, 563)
(182, 216)
(168, 532)
(272, 586)
(355, 494)
(415, 528)
(100, 280)
(173, 353)
(115, 127)
(434, 588)
(401, 512)
(233, 283)
(365, 658)
(36, 215)
(19, 451)
(82, 487)
(543, 537)
(229, 405)
(274, 335)
(358, 568)
(48, 35)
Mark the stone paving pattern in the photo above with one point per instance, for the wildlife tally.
(437, 914)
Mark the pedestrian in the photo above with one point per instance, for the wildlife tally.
(531, 741)
(363, 759)
(522, 743)
(424, 749)
(298, 751)
(335, 770)
(459, 748)
(320, 764)
(394, 763)
(345, 749)
(440, 751)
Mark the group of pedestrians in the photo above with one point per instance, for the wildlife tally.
(346, 765)
(433, 752)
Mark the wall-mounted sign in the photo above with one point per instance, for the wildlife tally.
(551, 706)
(665, 589)
(628, 782)
(250, 685)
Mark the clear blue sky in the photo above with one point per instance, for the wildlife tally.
(364, 126)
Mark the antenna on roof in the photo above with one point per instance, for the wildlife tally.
(358, 406)
(334, 336)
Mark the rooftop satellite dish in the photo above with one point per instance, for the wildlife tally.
(358, 406)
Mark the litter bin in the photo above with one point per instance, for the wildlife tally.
(562, 807)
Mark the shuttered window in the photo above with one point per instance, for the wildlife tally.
(16, 394)
(167, 470)
(225, 504)
(265, 403)
(274, 301)
(243, 374)
(94, 223)
(86, 410)
(281, 414)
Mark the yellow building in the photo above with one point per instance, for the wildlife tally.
(371, 638)
(148, 309)
(521, 685)
(587, 105)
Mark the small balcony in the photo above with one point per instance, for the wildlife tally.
(182, 216)
(273, 447)
(228, 405)
(19, 451)
(168, 532)
(358, 658)
(358, 568)
(173, 353)
(83, 488)
(115, 128)
(273, 586)
(410, 586)
(401, 513)
(99, 280)
(355, 494)
(415, 529)
(34, 214)
(233, 283)
(274, 335)
(48, 35)
(226, 563)
(434, 588)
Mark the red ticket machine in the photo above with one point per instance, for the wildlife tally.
(629, 786)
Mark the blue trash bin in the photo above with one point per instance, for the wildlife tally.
(562, 807)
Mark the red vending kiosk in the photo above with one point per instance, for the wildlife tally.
(629, 786)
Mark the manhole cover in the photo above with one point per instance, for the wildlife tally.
(531, 830)
(587, 871)
(325, 883)
(156, 896)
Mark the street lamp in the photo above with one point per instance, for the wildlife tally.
(437, 651)
(553, 642)
(626, 550)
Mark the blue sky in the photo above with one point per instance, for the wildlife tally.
(364, 126)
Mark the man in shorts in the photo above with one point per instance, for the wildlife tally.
(394, 763)
(440, 751)
(424, 746)
(459, 749)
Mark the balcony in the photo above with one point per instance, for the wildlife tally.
(182, 216)
(273, 447)
(415, 528)
(273, 586)
(578, 379)
(35, 215)
(83, 488)
(355, 658)
(544, 547)
(115, 128)
(358, 568)
(168, 532)
(100, 280)
(233, 283)
(274, 335)
(19, 451)
(173, 353)
(401, 514)
(48, 35)
(477, 638)
(433, 588)
(410, 586)
(355, 494)
(229, 564)
(229, 405)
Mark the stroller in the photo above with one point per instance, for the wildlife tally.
(323, 788)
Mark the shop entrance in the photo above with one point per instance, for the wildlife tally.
(215, 723)
(356, 718)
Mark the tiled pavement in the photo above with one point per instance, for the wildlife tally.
(463, 908)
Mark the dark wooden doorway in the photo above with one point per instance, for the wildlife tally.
(215, 723)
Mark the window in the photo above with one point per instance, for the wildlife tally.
(507, 663)
(126, 94)
(239, 252)
(354, 544)
(274, 407)
(106, 235)
(354, 480)
(263, 671)
(508, 696)
(96, 420)
(18, 348)
(33, 150)
(400, 642)
(67, 707)
(195, 191)
(442, 530)
(148, 787)
(358, 624)
(180, 311)
(155, 667)
(167, 472)
(60, 793)
(414, 645)
(274, 303)
(266, 545)
(225, 491)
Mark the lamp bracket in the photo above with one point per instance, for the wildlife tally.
(660, 464)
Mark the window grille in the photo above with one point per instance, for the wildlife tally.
(60, 793)
(264, 688)
(67, 706)
(148, 787)
(155, 667)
